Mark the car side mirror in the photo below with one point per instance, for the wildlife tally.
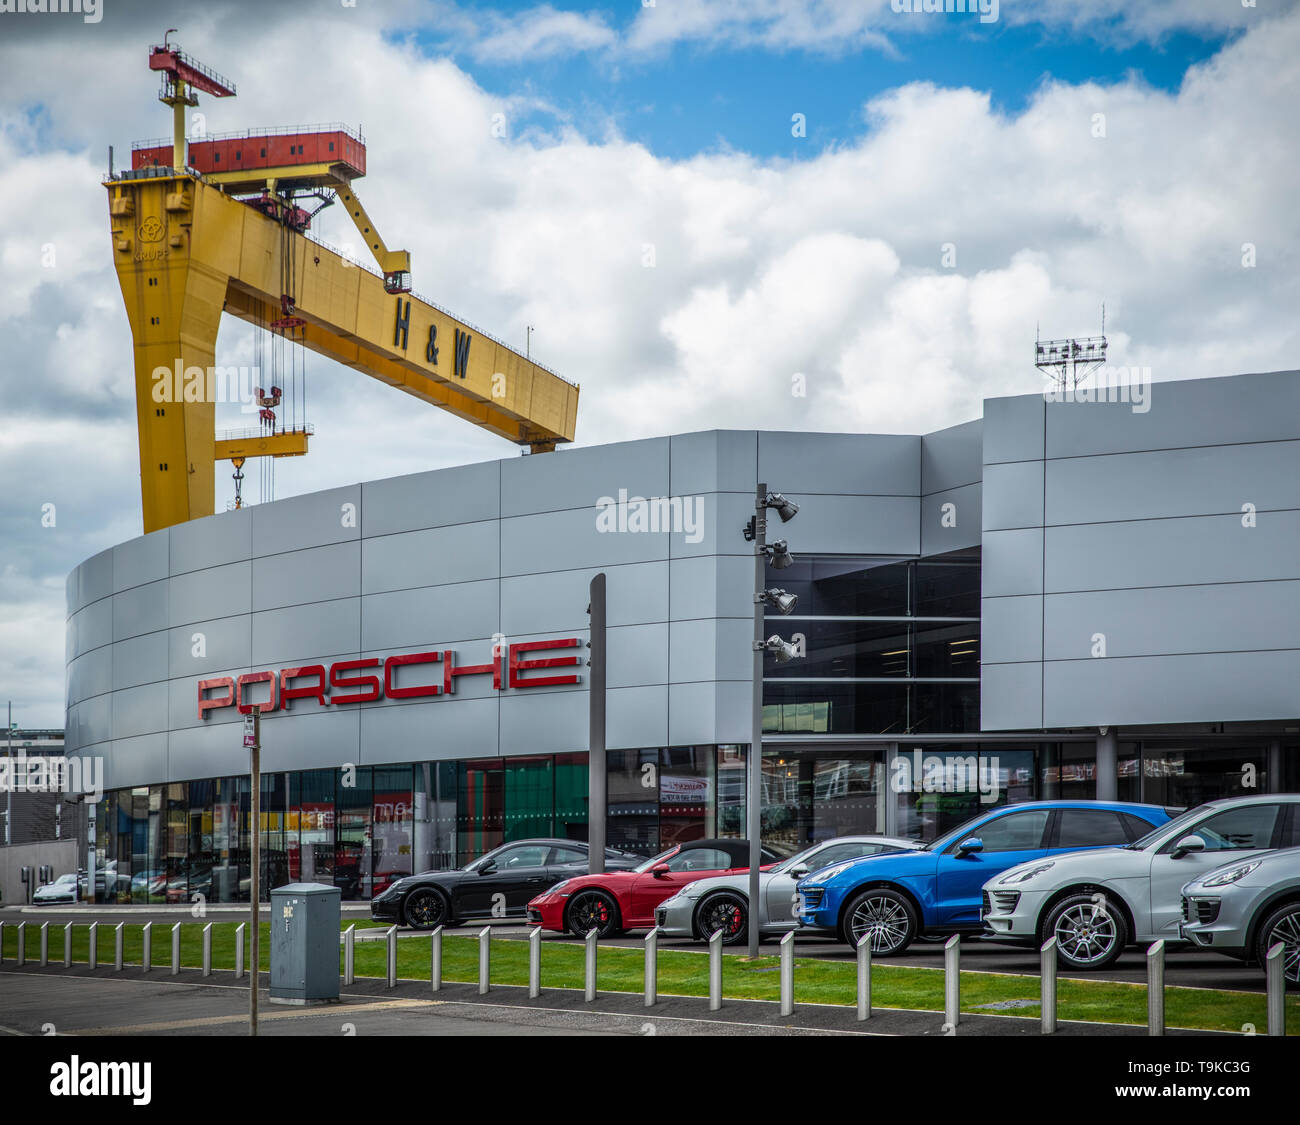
(969, 845)
(799, 871)
(487, 868)
(1189, 843)
(659, 870)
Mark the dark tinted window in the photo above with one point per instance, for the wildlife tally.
(1014, 832)
(1083, 828)
(1137, 827)
(1237, 829)
(1291, 834)
(569, 855)
(700, 859)
(529, 855)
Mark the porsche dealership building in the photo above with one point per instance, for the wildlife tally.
(1067, 599)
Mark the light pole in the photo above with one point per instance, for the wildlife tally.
(780, 558)
(253, 743)
(596, 763)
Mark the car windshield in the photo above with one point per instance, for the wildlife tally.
(662, 857)
(1169, 826)
(806, 857)
(956, 834)
(66, 879)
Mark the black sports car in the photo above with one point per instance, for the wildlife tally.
(496, 885)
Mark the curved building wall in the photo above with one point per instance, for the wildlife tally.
(445, 560)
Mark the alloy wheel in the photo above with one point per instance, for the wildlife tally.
(1086, 932)
(1287, 931)
(884, 919)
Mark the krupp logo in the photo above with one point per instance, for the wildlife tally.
(151, 230)
(348, 674)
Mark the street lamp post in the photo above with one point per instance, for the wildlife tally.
(779, 557)
(753, 810)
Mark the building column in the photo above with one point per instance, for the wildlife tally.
(1274, 767)
(1107, 764)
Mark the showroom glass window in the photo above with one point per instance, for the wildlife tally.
(936, 788)
(392, 825)
(811, 795)
(890, 646)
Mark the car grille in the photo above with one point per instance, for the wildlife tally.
(1001, 902)
(1206, 909)
(661, 917)
(535, 916)
(812, 898)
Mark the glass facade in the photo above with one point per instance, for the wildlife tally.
(888, 646)
(360, 828)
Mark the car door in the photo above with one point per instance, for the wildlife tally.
(517, 873)
(649, 890)
(1230, 834)
(1008, 838)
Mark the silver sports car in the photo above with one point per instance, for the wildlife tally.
(703, 907)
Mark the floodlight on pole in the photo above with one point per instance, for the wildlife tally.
(781, 600)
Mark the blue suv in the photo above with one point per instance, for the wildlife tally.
(900, 896)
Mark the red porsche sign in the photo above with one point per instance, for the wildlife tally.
(364, 681)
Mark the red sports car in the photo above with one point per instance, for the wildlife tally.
(626, 900)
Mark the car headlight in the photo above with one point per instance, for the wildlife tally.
(1027, 873)
(1232, 875)
(826, 874)
(561, 883)
(691, 890)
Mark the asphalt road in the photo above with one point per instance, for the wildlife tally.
(100, 1002)
(1189, 968)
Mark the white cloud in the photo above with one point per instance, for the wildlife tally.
(830, 267)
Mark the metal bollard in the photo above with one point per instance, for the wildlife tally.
(22, 943)
(952, 983)
(146, 956)
(176, 950)
(239, 951)
(589, 973)
(715, 971)
(484, 960)
(67, 946)
(207, 950)
(350, 954)
(94, 944)
(535, 963)
(864, 977)
(117, 947)
(435, 959)
(787, 974)
(1275, 985)
(1047, 985)
(390, 941)
(1156, 988)
(45, 944)
(652, 968)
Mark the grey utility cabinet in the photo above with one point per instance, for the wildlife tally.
(305, 943)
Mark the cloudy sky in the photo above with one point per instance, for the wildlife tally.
(798, 168)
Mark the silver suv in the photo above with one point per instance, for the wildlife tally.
(1246, 907)
(1097, 902)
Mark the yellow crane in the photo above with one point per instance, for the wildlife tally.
(219, 229)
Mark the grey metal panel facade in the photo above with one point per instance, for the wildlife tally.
(1166, 551)
(445, 560)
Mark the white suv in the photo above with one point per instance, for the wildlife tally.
(1097, 902)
